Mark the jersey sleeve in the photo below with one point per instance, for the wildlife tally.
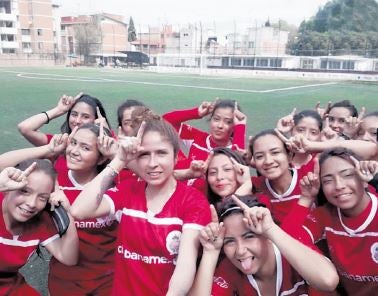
(47, 230)
(239, 136)
(314, 224)
(196, 210)
(223, 280)
(177, 117)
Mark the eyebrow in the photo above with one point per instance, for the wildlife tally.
(339, 172)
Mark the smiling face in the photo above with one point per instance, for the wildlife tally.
(80, 114)
(25, 203)
(337, 117)
(270, 156)
(82, 153)
(157, 161)
(308, 127)
(222, 125)
(368, 129)
(247, 251)
(342, 187)
(221, 176)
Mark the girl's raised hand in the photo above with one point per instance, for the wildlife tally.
(58, 198)
(130, 147)
(310, 184)
(328, 133)
(366, 169)
(204, 108)
(257, 219)
(239, 117)
(352, 124)
(107, 146)
(13, 179)
(59, 143)
(322, 111)
(211, 236)
(286, 123)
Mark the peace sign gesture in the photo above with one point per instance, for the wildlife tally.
(211, 236)
(365, 169)
(100, 118)
(13, 179)
(323, 111)
(353, 123)
(327, 132)
(257, 219)
(106, 145)
(65, 102)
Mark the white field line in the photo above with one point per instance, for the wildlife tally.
(89, 79)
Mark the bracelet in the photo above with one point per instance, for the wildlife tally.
(114, 171)
(48, 118)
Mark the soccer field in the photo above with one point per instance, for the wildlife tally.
(27, 91)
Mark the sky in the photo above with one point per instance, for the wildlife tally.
(220, 15)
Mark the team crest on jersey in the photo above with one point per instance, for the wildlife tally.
(374, 252)
(173, 242)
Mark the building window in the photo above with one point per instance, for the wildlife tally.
(6, 24)
(186, 34)
(9, 50)
(6, 37)
(235, 62)
(334, 65)
(348, 65)
(251, 44)
(307, 64)
(323, 64)
(262, 63)
(62, 28)
(25, 32)
(249, 62)
(26, 45)
(275, 63)
(40, 45)
(375, 67)
(39, 32)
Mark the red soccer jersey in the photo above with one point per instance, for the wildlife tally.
(198, 143)
(15, 250)
(97, 238)
(148, 243)
(353, 245)
(280, 204)
(228, 280)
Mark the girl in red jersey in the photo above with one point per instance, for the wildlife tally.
(124, 118)
(79, 110)
(24, 225)
(85, 153)
(348, 223)
(160, 218)
(261, 259)
(227, 128)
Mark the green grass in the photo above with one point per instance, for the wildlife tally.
(22, 97)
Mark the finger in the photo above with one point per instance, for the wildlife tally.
(214, 215)
(241, 204)
(355, 162)
(237, 166)
(281, 136)
(101, 132)
(316, 166)
(207, 161)
(317, 106)
(73, 132)
(141, 131)
(56, 185)
(293, 112)
(99, 115)
(28, 171)
(236, 106)
(362, 113)
(326, 123)
(326, 110)
(78, 96)
(120, 132)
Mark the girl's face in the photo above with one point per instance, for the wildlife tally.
(309, 128)
(82, 153)
(80, 114)
(270, 156)
(368, 129)
(127, 128)
(221, 176)
(337, 118)
(341, 185)
(222, 124)
(247, 251)
(25, 203)
(157, 161)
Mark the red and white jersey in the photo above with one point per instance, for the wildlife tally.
(15, 250)
(148, 243)
(229, 281)
(199, 143)
(352, 243)
(97, 238)
(280, 204)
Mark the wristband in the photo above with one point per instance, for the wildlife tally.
(48, 118)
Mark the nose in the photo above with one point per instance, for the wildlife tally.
(31, 202)
(267, 159)
(365, 137)
(152, 161)
(220, 175)
(339, 183)
(220, 124)
(240, 249)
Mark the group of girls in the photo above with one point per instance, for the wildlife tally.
(163, 208)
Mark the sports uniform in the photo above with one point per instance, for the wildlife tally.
(199, 143)
(15, 250)
(352, 243)
(94, 271)
(148, 243)
(228, 280)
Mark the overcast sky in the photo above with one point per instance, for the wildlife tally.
(222, 13)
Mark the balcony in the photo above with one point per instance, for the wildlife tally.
(9, 44)
(8, 31)
(26, 38)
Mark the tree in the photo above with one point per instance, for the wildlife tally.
(87, 38)
(131, 31)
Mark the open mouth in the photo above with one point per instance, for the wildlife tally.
(246, 263)
(26, 213)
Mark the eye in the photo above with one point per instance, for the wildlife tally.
(85, 148)
(216, 119)
(73, 141)
(228, 242)
(212, 173)
(44, 198)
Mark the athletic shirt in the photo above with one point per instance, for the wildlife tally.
(148, 243)
(15, 250)
(280, 204)
(228, 280)
(97, 239)
(352, 242)
(199, 143)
